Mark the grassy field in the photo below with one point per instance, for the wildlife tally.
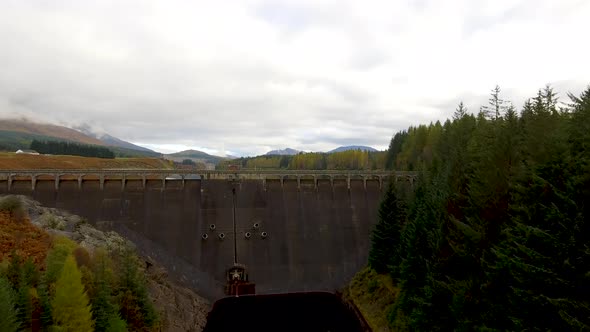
(22, 161)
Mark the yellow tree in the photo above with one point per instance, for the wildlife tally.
(71, 308)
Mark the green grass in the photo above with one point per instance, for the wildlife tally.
(374, 295)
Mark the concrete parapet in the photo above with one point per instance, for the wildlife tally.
(316, 224)
(183, 175)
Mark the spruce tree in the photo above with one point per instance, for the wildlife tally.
(24, 303)
(104, 310)
(8, 313)
(45, 304)
(384, 255)
(70, 305)
(136, 306)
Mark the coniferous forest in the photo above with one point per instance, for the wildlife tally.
(73, 149)
(494, 233)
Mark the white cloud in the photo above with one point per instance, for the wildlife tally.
(248, 76)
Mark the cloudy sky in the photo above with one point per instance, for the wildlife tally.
(244, 77)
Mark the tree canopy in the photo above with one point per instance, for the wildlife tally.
(495, 236)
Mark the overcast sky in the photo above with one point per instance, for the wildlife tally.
(244, 77)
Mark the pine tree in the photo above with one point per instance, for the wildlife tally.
(8, 313)
(136, 306)
(460, 112)
(104, 310)
(70, 306)
(45, 304)
(496, 105)
(24, 304)
(384, 254)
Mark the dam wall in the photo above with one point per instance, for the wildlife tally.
(293, 233)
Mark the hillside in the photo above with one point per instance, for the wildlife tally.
(18, 134)
(21, 161)
(194, 155)
(110, 140)
(48, 130)
(495, 234)
(51, 259)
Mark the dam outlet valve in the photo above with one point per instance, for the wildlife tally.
(221, 236)
(204, 236)
(212, 227)
(264, 235)
(247, 235)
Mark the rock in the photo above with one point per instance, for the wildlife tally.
(181, 309)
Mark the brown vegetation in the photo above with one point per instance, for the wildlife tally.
(23, 161)
(22, 237)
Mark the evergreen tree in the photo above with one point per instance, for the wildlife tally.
(496, 105)
(24, 304)
(45, 304)
(70, 306)
(496, 236)
(384, 254)
(136, 307)
(104, 310)
(460, 112)
(8, 313)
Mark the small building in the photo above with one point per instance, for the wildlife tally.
(32, 152)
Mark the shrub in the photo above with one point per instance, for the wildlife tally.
(14, 206)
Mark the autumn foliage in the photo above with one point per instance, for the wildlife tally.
(50, 283)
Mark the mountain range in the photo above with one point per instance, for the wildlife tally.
(196, 156)
(291, 152)
(110, 140)
(284, 152)
(353, 147)
(19, 133)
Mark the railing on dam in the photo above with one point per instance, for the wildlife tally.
(164, 175)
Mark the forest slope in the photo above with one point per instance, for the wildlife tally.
(496, 233)
(57, 272)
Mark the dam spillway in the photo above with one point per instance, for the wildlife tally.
(295, 230)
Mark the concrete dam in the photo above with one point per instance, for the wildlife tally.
(295, 230)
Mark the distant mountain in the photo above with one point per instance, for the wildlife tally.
(284, 152)
(194, 155)
(353, 147)
(111, 140)
(48, 130)
(18, 134)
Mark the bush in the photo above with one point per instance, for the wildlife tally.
(49, 220)
(14, 206)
